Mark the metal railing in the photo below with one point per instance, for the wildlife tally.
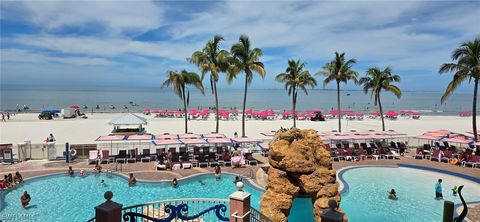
(257, 216)
(194, 209)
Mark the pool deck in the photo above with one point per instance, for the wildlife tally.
(147, 171)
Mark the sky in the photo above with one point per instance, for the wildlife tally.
(135, 43)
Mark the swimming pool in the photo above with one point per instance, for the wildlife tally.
(63, 198)
(366, 197)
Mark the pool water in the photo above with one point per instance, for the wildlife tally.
(65, 198)
(366, 198)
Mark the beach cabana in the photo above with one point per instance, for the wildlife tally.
(145, 139)
(110, 139)
(128, 124)
(166, 136)
(216, 141)
(214, 135)
(193, 141)
(189, 136)
(166, 142)
(245, 140)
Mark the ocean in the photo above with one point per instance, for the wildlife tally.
(135, 99)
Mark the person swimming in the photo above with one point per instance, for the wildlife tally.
(25, 199)
(201, 182)
(102, 183)
(82, 173)
(392, 195)
(455, 191)
(174, 183)
(237, 179)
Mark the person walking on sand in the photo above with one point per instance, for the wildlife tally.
(3, 117)
(51, 138)
(438, 190)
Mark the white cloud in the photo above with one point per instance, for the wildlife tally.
(24, 56)
(116, 16)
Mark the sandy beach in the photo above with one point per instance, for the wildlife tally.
(24, 127)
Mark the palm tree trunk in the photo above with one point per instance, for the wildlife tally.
(381, 111)
(338, 108)
(217, 126)
(294, 101)
(185, 109)
(247, 72)
(474, 112)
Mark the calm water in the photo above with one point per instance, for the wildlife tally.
(57, 97)
(366, 199)
(65, 198)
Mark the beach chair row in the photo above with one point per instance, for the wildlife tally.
(448, 155)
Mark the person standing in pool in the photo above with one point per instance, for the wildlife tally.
(174, 183)
(438, 190)
(132, 180)
(25, 199)
(70, 171)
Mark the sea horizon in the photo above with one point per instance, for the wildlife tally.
(42, 97)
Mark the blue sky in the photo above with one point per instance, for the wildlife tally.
(134, 43)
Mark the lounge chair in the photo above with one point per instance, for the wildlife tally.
(394, 155)
(161, 165)
(346, 145)
(212, 160)
(419, 153)
(145, 156)
(226, 158)
(196, 152)
(250, 160)
(436, 155)
(92, 156)
(132, 156)
(356, 146)
(184, 159)
(105, 157)
(447, 156)
(341, 154)
(351, 155)
(121, 157)
(474, 161)
(202, 162)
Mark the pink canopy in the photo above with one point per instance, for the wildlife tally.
(110, 138)
(219, 140)
(140, 137)
(214, 135)
(146, 110)
(391, 113)
(167, 142)
(459, 139)
(264, 145)
(189, 136)
(245, 140)
(74, 107)
(166, 136)
(193, 141)
(359, 114)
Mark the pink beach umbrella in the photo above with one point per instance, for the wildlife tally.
(146, 110)
(74, 107)
(375, 113)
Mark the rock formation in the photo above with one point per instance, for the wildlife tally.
(299, 164)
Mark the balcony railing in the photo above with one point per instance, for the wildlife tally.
(257, 216)
(195, 209)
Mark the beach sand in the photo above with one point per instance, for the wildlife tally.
(24, 127)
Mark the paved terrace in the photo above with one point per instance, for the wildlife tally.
(147, 171)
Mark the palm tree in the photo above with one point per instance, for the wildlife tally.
(340, 71)
(296, 78)
(467, 66)
(245, 59)
(378, 80)
(179, 81)
(212, 59)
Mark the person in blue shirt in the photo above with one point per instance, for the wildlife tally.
(438, 190)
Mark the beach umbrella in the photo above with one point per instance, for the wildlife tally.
(146, 110)
(74, 107)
